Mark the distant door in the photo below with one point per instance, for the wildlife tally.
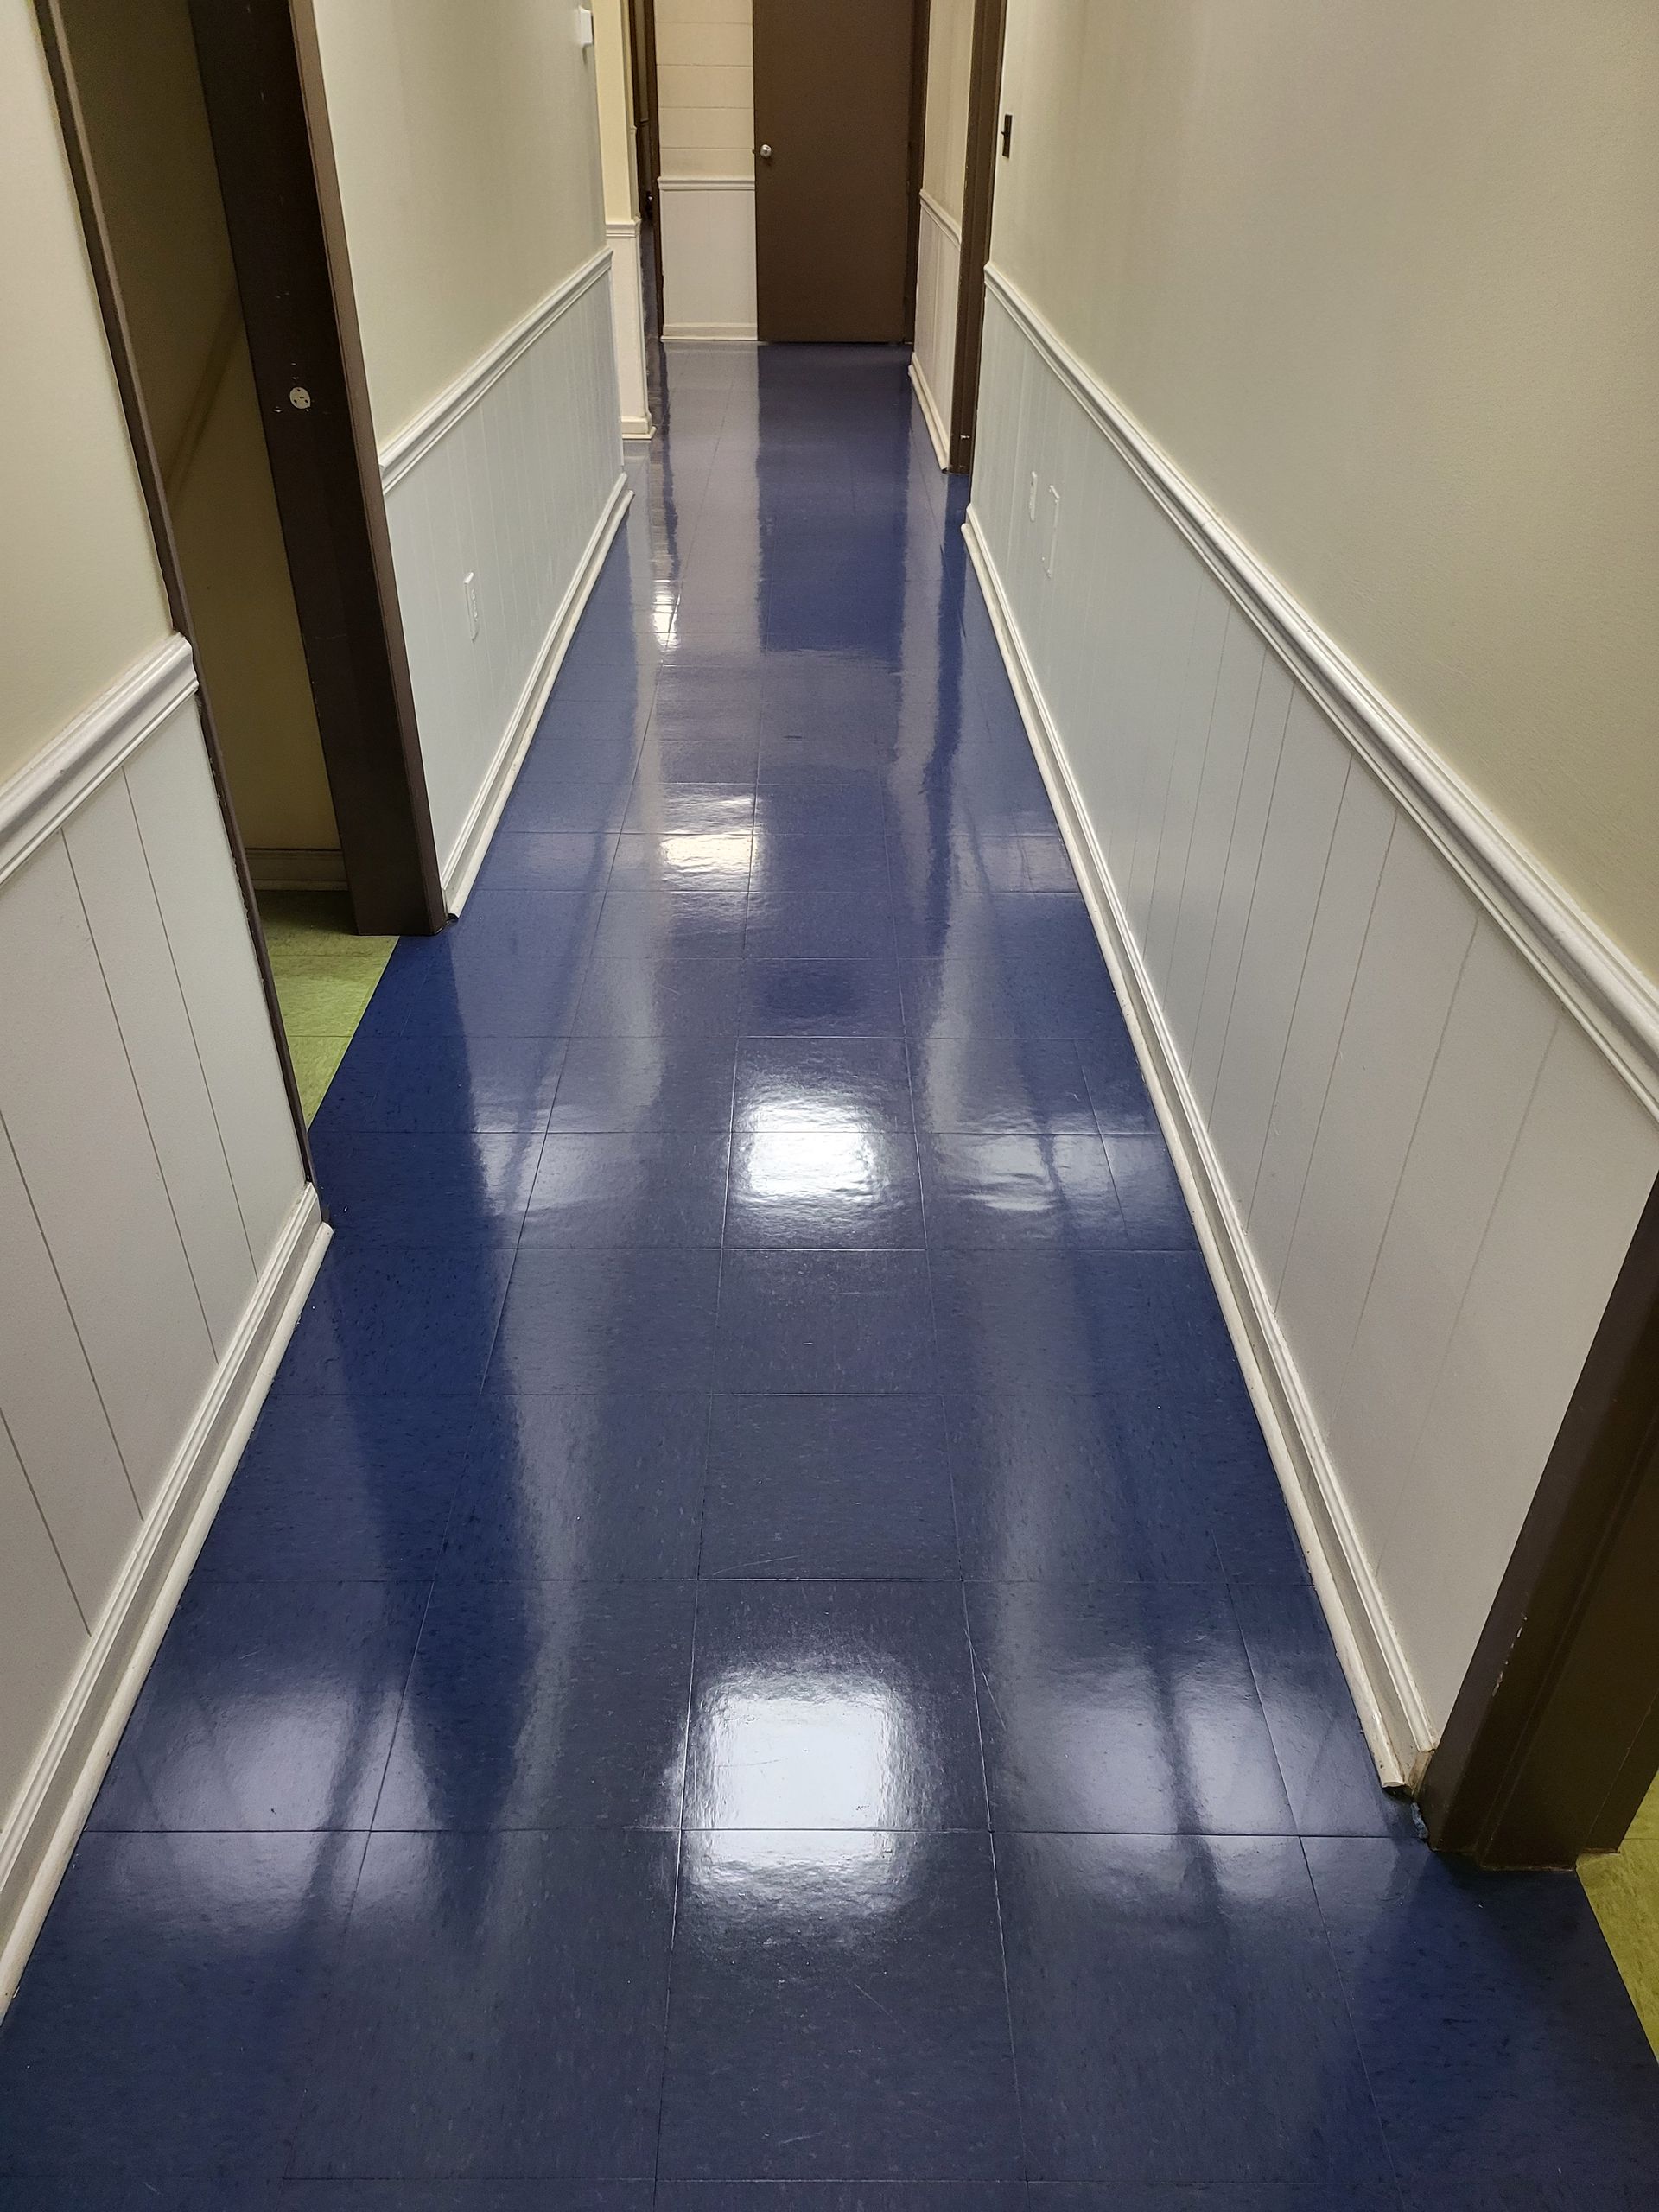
(833, 123)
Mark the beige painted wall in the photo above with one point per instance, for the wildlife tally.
(80, 595)
(142, 97)
(705, 87)
(614, 71)
(949, 59)
(1383, 281)
(467, 138)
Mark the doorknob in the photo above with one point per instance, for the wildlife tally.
(766, 152)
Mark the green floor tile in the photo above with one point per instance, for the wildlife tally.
(325, 975)
(1624, 1891)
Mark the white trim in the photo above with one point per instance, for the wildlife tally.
(709, 333)
(297, 867)
(40, 798)
(1617, 1003)
(416, 439)
(466, 854)
(42, 1831)
(1390, 1710)
(925, 401)
(941, 214)
(705, 184)
(625, 231)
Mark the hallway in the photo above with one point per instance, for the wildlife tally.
(757, 1640)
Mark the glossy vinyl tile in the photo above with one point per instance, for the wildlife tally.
(696, 921)
(829, 1487)
(998, 1086)
(171, 2010)
(985, 1192)
(497, 2009)
(358, 1489)
(1003, 997)
(713, 867)
(840, 2197)
(648, 1187)
(432, 1086)
(609, 1085)
(823, 1186)
(542, 1704)
(269, 1706)
(466, 2196)
(801, 926)
(1155, 1218)
(1117, 1089)
(833, 1705)
(548, 860)
(462, 1187)
(1378, 2196)
(655, 994)
(1496, 2032)
(857, 1322)
(557, 1488)
(1328, 1771)
(854, 1084)
(1067, 1320)
(837, 2006)
(794, 859)
(1070, 1486)
(1127, 1708)
(507, 968)
(607, 1320)
(1177, 2015)
(398, 1324)
(821, 994)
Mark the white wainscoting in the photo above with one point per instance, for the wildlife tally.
(933, 361)
(628, 315)
(1412, 1092)
(706, 238)
(157, 1230)
(512, 477)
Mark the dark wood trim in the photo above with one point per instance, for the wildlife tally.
(921, 32)
(118, 338)
(978, 192)
(642, 19)
(1554, 1739)
(261, 81)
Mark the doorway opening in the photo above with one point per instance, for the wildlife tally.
(199, 144)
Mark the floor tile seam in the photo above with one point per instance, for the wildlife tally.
(326, 2005)
(996, 1891)
(1357, 2042)
(1261, 1702)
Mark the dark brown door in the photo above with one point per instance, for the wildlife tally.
(833, 126)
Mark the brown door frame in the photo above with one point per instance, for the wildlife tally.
(1553, 1740)
(261, 82)
(978, 191)
(160, 523)
(261, 78)
(642, 32)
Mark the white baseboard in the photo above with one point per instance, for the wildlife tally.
(635, 430)
(709, 333)
(295, 867)
(467, 854)
(925, 401)
(54, 1805)
(1390, 1711)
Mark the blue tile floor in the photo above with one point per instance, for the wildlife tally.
(755, 1658)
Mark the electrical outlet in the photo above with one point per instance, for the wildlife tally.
(1031, 499)
(1053, 529)
(469, 585)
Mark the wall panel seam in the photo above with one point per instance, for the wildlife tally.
(137, 1089)
(434, 422)
(92, 1372)
(34, 1498)
(1613, 999)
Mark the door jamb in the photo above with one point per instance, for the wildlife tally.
(1554, 1739)
(642, 21)
(978, 192)
(118, 338)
